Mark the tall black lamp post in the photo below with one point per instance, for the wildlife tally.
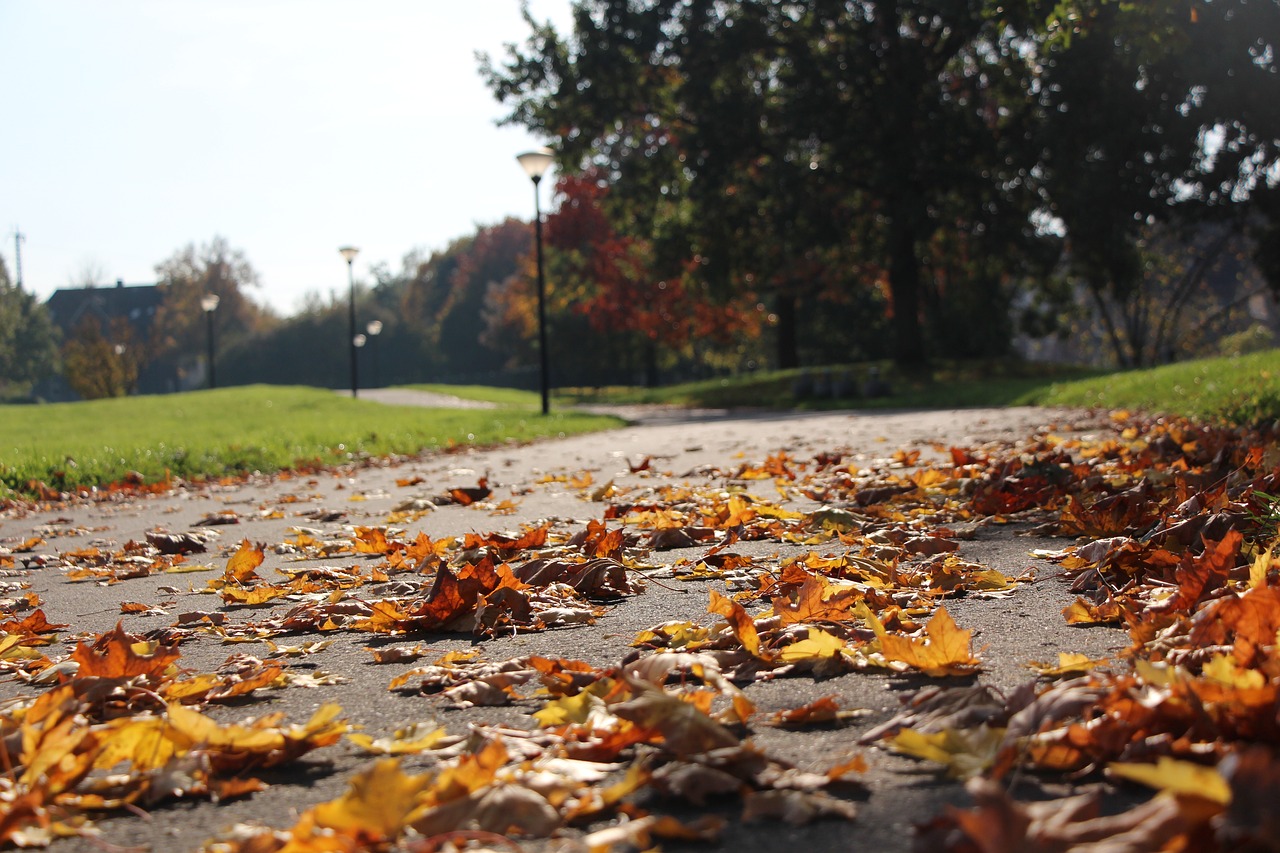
(535, 165)
(209, 304)
(349, 255)
(374, 329)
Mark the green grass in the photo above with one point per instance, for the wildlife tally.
(236, 430)
(947, 384)
(1237, 389)
(268, 428)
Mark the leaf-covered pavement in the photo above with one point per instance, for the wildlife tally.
(730, 633)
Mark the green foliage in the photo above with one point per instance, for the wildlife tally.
(233, 431)
(1256, 338)
(1126, 106)
(788, 137)
(28, 342)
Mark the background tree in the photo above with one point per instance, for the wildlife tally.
(733, 107)
(178, 332)
(101, 362)
(28, 340)
(1154, 118)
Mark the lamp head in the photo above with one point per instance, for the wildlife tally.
(209, 302)
(348, 253)
(536, 162)
(359, 340)
(374, 327)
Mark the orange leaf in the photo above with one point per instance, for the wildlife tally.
(117, 654)
(812, 603)
(243, 563)
(743, 626)
(944, 650)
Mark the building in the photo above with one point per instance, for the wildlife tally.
(125, 311)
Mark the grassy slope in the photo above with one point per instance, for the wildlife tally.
(1243, 388)
(231, 430)
(1238, 389)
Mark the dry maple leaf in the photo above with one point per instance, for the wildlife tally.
(121, 655)
(241, 568)
(944, 650)
(680, 726)
(740, 622)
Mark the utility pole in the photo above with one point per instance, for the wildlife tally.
(18, 237)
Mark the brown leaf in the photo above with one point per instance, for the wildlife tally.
(680, 726)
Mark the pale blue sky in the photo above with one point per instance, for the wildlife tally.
(290, 127)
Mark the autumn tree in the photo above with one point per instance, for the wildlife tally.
(28, 340)
(102, 360)
(793, 130)
(444, 296)
(215, 269)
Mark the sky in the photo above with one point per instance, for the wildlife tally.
(133, 128)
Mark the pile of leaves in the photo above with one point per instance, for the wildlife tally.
(1173, 526)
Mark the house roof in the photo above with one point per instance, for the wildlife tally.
(136, 303)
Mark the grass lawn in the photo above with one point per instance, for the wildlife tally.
(1239, 389)
(237, 430)
(269, 428)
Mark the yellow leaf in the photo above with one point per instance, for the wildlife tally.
(1224, 670)
(1069, 663)
(1177, 777)
(416, 738)
(375, 807)
(819, 645)
(964, 752)
(1081, 612)
(144, 742)
(569, 709)
(1258, 571)
(253, 595)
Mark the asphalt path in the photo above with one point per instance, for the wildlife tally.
(535, 483)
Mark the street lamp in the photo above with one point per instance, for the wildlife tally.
(209, 304)
(349, 255)
(374, 329)
(535, 165)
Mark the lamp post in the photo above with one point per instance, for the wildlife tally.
(374, 329)
(535, 165)
(209, 304)
(349, 255)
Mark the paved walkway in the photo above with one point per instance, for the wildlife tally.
(539, 482)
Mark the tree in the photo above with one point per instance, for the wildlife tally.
(608, 278)
(178, 332)
(792, 130)
(28, 340)
(444, 298)
(100, 362)
(1155, 117)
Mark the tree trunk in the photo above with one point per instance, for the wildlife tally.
(904, 289)
(788, 350)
